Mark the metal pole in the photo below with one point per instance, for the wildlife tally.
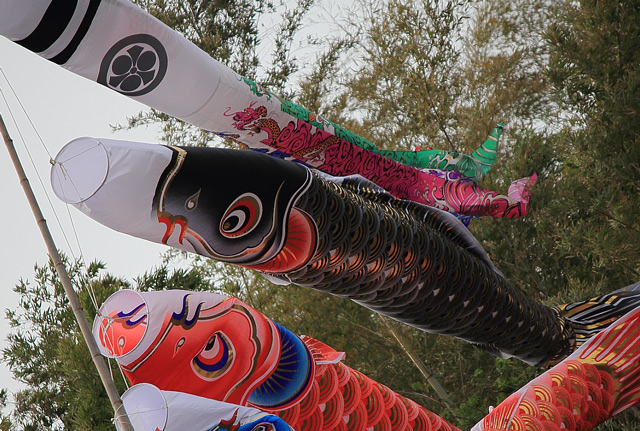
(98, 360)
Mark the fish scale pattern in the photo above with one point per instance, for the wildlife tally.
(575, 397)
(343, 399)
(409, 262)
(597, 382)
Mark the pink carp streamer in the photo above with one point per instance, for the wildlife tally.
(325, 151)
(129, 51)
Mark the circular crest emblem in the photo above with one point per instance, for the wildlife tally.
(134, 66)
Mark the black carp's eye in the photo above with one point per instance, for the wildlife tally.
(242, 216)
(192, 202)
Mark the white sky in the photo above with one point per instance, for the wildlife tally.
(62, 106)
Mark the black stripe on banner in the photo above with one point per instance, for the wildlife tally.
(51, 26)
(66, 54)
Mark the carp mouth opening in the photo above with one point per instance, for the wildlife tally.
(79, 170)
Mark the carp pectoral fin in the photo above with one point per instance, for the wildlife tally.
(300, 245)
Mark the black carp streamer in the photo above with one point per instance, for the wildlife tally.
(340, 235)
(417, 265)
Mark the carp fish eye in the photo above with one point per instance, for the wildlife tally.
(215, 358)
(242, 216)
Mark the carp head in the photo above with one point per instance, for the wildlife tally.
(233, 206)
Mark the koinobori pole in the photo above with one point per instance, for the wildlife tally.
(98, 360)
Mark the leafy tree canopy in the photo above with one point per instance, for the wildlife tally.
(563, 78)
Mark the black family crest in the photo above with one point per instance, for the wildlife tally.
(134, 66)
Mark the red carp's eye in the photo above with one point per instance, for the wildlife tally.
(215, 358)
(242, 216)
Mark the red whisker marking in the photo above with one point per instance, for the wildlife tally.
(183, 230)
(170, 227)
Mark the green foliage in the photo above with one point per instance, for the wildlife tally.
(48, 355)
(226, 30)
(231, 31)
(46, 352)
(595, 67)
(563, 77)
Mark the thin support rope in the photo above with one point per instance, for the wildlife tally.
(87, 286)
(18, 128)
(25, 112)
(79, 258)
(105, 323)
(515, 410)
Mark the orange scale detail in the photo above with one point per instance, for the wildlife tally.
(422, 422)
(551, 426)
(518, 424)
(320, 368)
(351, 395)
(576, 368)
(411, 406)
(544, 393)
(559, 379)
(313, 422)
(357, 420)
(383, 424)
(332, 412)
(290, 415)
(328, 384)
(528, 407)
(365, 384)
(437, 423)
(567, 419)
(398, 415)
(594, 393)
(388, 397)
(579, 385)
(532, 423)
(563, 398)
(581, 424)
(606, 382)
(309, 402)
(549, 412)
(343, 373)
(591, 414)
(607, 406)
(592, 373)
(579, 404)
(374, 404)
